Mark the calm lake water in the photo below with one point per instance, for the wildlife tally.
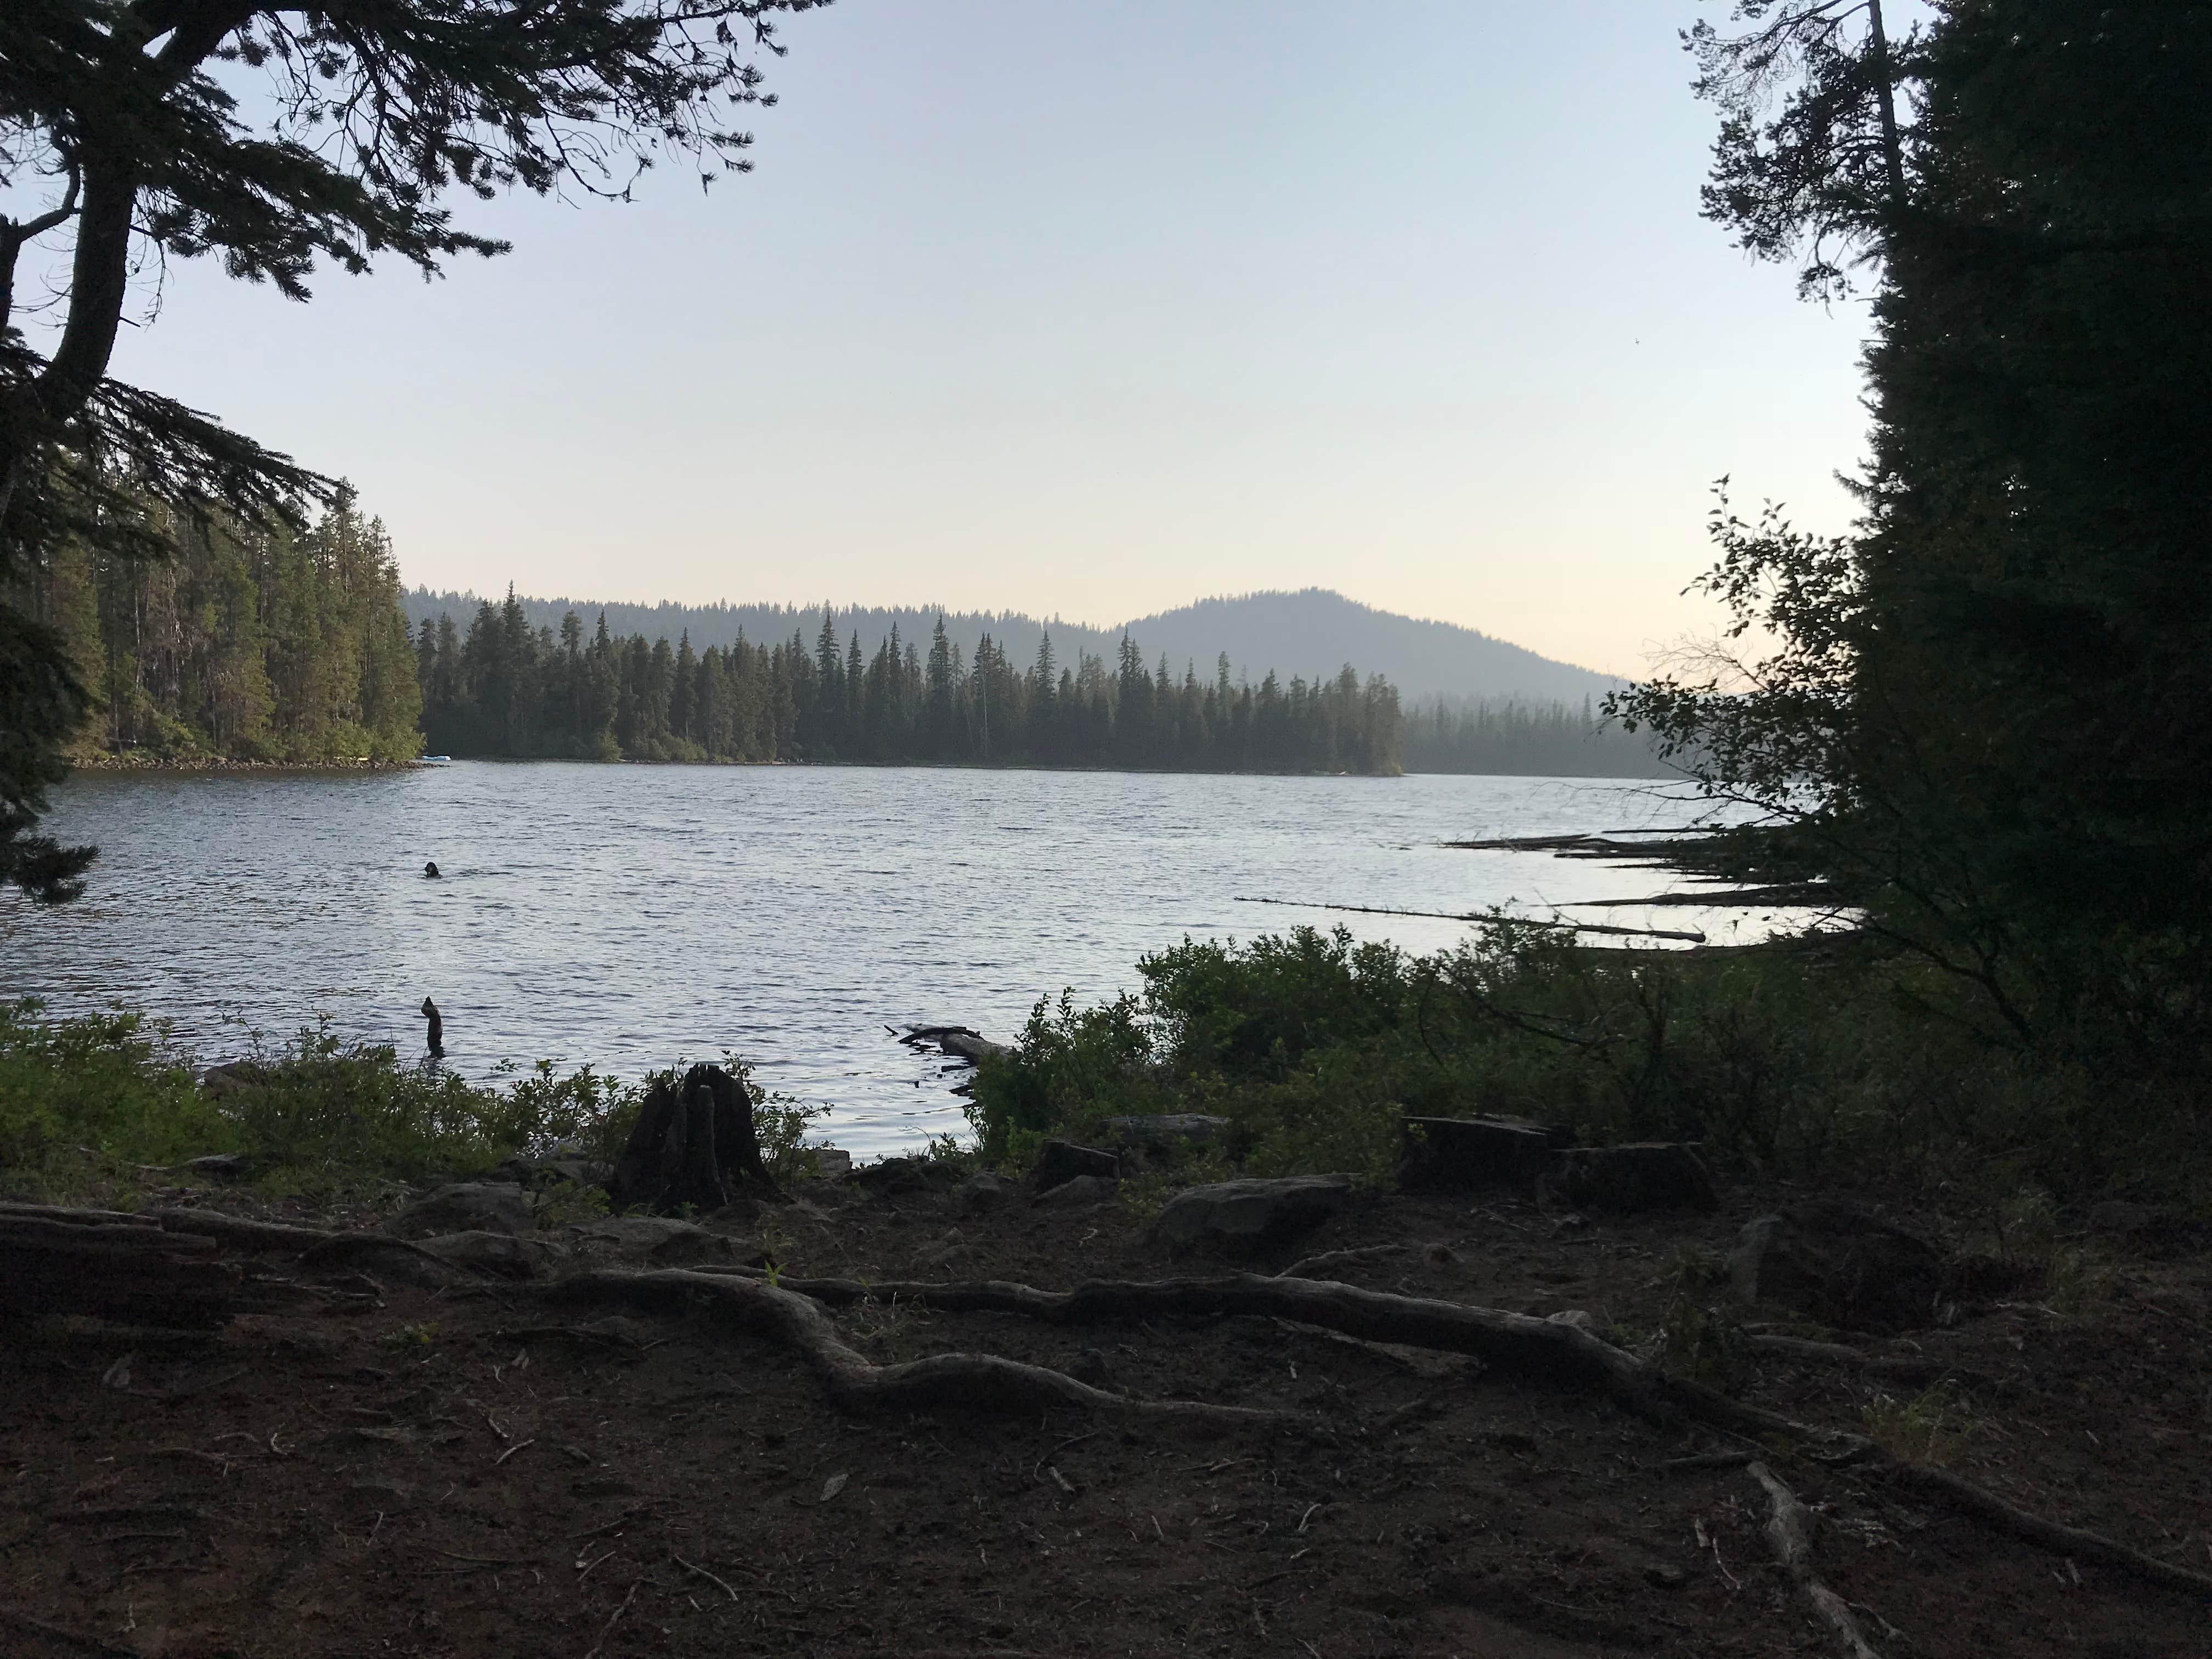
(626, 915)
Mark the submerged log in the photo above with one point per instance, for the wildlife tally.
(694, 1143)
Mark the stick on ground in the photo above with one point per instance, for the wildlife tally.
(1789, 1535)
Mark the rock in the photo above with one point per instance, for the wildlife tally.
(1843, 1265)
(1248, 1217)
(1166, 1130)
(831, 1163)
(1061, 1161)
(1649, 1175)
(894, 1177)
(1580, 1318)
(562, 1164)
(1460, 1154)
(667, 1243)
(231, 1076)
(1083, 1189)
(501, 1254)
(982, 1193)
(1092, 1366)
(468, 1206)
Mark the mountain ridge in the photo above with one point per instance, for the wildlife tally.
(1309, 632)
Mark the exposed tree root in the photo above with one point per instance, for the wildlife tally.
(852, 1381)
(1789, 1535)
(270, 1237)
(1516, 1344)
(2071, 1541)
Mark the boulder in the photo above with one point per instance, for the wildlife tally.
(1647, 1175)
(562, 1164)
(1061, 1161)
(1460, 1154)
(500, 1254)
(232, 1075)
(667, 1243)
(980, 1193)
(1248, 1217)
(1168, 1129)
(1082, 1189)
(831, 1163)
(467, 1206)
(1843, 1265)
(897, 1178)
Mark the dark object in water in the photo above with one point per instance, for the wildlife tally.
(437, 1028)
(431, 871)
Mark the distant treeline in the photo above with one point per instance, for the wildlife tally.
(1512, 738)
(504, 688)
(263, 645)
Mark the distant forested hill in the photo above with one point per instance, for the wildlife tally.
(1313, 633)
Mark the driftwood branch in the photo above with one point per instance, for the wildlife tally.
(1789, 1535)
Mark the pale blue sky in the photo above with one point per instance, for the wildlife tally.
(1093, 309)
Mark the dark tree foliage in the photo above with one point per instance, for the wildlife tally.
(1815, 137)
(126, 121)
(501, 688)
(1987, 716)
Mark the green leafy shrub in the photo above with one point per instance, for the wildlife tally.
(89, 1103)
(80, 1097)
(1828, 1058)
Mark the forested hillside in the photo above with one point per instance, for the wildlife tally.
(505, 687)
(260, 645)
(1309, 632)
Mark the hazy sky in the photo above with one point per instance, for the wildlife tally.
(1094, 309)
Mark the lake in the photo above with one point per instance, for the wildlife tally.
(626, 915)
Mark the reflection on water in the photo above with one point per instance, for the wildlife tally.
(626, 915)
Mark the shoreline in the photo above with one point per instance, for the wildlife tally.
(208, 763)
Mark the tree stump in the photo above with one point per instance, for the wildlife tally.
(694, 1145)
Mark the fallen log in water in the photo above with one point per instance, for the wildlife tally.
(961, 1042)
(1479, 916)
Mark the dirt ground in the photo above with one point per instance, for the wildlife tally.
(423, 1473)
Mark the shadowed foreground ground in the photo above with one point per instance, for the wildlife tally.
(410, 1471)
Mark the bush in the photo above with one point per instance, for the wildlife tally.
(1822, 1059)
(98, 1091)
(87, 1104)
